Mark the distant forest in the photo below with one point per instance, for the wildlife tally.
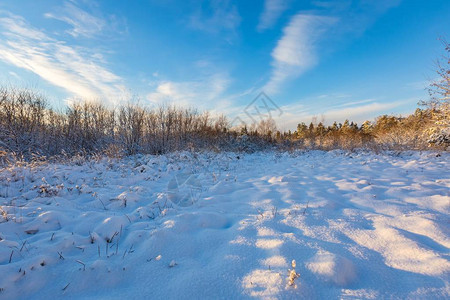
(30, 129)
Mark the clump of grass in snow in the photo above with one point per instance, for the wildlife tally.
(4, 214)
(293, 275)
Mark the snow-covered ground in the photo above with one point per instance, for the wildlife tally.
(227, 226)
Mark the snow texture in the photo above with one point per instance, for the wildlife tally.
(226, 226)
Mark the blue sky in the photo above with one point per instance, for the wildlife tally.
(326, 59)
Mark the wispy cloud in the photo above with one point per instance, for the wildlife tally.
(273, 9)
(355, 16)
(82, 23)
(14, 74)
(77, 70)
(418, 85)
(357, 111)
(86, 24)
(296, 50)
(360, 113)
(353, 103)
(220, 16)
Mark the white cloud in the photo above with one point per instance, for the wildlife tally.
(273, 9)
(75, 69)
(296, 113)
(82, 22)
(353, 103)
(356, 111)
(296, 50)
(87, 24)
(204, 93)
(361, 112)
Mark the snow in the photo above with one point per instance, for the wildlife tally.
(224, 225)
(331, 267)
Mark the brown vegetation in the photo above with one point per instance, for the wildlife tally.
(28, 127)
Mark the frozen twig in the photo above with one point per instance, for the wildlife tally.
(82, 263)
(10, 256)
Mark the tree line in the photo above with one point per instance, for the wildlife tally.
(29, 127)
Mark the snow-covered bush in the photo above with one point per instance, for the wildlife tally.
(439, 132)
(439, 103)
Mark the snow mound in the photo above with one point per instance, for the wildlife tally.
(263, 283)
(184, 189)
(111, 227)
(334, 268)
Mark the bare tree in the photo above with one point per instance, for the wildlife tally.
(439, 103)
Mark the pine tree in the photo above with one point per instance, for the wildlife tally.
(367, 127)
(301, 130)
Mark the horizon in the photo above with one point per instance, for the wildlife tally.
(333, 60)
